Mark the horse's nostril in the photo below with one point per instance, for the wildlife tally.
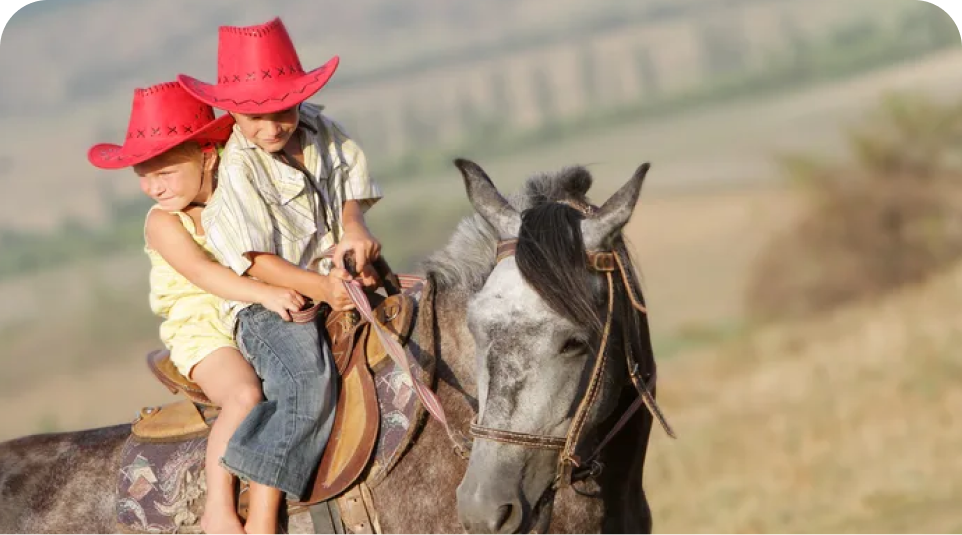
(489, 510)
(504, 513)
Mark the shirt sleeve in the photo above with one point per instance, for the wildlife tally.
(237, 220)
(357, 183)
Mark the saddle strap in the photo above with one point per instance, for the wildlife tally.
(326, 518)
(356, 507)
(397, 353)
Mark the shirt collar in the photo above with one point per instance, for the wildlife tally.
(289, 180)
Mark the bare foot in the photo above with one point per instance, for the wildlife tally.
(221, 521)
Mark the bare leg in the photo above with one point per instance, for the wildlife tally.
(230, 382)
(265, 505)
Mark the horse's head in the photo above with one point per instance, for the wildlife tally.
(541, 322)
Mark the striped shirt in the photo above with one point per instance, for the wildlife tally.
(261, 204)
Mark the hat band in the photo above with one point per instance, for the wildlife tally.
(260, 74)
(166, 131)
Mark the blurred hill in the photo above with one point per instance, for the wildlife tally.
(417, 82)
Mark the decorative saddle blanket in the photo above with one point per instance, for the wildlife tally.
(161, 482)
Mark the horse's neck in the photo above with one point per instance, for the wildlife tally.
(453, 348)
(428, 475)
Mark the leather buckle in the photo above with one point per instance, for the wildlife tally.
(602, 261)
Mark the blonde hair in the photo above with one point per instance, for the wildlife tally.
(187, 151)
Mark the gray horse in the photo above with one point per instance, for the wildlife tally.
(531, 344)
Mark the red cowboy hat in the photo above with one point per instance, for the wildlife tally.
(163, 116)
(258, 71)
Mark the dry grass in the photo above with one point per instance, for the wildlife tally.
(693, 252)
(716, 147)
(68, 401)
(846, 423)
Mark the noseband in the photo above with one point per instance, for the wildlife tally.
(571, 467)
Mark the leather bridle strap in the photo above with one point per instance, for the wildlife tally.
(602, 261)
(543, 442)
(642, 399)
(569, 457)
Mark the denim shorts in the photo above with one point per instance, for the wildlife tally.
(280, 442)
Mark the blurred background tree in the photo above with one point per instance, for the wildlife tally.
(890, 215)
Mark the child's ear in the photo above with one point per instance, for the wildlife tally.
(210, 160)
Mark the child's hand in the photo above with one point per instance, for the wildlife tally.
(281, 300)
(369, 277)
(358, 239)
(337, 296)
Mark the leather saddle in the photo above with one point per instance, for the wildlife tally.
(357, 353)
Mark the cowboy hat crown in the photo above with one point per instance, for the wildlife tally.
(162, 116)
(258, 71)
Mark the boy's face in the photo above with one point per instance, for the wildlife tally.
(270, 131)
(173, 179)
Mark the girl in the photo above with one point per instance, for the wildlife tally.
(171, 145)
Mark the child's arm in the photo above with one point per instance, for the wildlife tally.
(237, 221)
(167, 236)
(360, 193)
(356, 238)
(321, 288)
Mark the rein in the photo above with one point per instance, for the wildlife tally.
(429, 399)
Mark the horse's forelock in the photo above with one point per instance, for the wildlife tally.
(569, 184)
(551, 257)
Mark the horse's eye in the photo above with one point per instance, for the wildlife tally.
(572, 345)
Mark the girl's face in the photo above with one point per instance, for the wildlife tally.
(270, 131)
(176, 178)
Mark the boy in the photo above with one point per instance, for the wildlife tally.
(292, 185)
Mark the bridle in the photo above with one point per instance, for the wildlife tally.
(572, 467)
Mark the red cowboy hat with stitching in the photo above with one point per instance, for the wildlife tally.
(162, 117)
(258, 71)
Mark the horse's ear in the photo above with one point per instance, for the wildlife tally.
(615, 213)
(487, 201)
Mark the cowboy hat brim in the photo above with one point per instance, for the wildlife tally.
(262, 96)
(113, 156)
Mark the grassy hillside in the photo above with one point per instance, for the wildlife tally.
(846, 423)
